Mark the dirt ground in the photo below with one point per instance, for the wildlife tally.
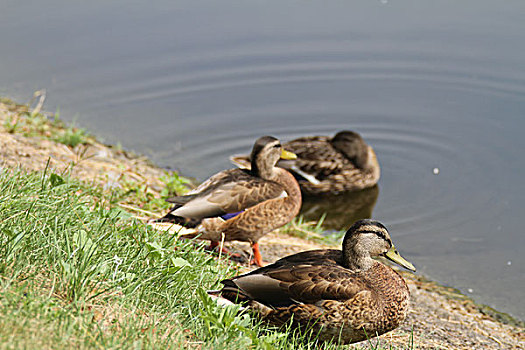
(439, 318)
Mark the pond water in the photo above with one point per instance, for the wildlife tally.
(437, 88)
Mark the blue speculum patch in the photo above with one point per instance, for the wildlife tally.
(228, 216)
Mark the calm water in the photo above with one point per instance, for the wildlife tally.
(428, 84)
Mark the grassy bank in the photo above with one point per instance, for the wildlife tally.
(77, 271)
(78, 268)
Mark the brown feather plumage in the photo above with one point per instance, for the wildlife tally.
(263, 199)
(338, 164)
(257, 220)
(316, 290)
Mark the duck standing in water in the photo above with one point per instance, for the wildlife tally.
(241, 204)
(329, 165)
(340, 295)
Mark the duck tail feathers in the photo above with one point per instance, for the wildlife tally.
(220, 300)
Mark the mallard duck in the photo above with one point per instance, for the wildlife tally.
(329, 164)
(241, 204)
(340, 295)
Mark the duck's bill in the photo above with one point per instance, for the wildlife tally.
(288, 155)
(394, 256)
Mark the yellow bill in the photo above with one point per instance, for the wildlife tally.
(394, 256)
(288, 155)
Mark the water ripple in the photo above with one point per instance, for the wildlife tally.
(250, 67)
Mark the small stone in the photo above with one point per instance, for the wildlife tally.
(435, 171)
(470, 290)
(509, 262)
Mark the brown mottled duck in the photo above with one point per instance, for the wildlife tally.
(241, 204)
(341, 295)
(329, 165)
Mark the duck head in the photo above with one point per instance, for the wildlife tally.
(266, 152)
(367, 239)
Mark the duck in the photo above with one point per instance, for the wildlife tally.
(344, 296)
(241, 204)
(329, 165)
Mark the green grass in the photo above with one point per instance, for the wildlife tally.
(76, 271)
(72, 136)
(313, 231)
(141, 196)
(31, 122)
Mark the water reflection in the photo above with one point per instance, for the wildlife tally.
(341, 211)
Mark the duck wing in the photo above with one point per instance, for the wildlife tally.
(229, 191)
(316, 158)
(295, 280)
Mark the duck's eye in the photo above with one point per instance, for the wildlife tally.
(277, 146)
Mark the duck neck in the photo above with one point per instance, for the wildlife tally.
(262, 170)
(289, 182)
(356, 257)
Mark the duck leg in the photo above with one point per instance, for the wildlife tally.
(213, 246)
(257, 257)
